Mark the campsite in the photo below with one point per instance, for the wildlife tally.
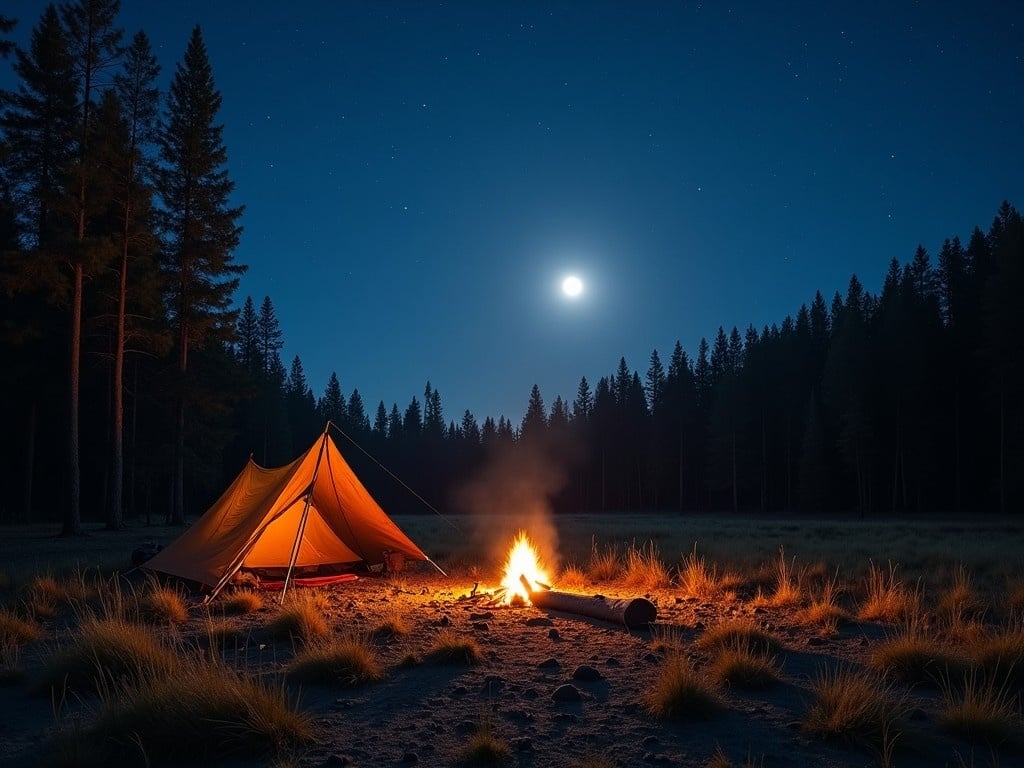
(450, 671)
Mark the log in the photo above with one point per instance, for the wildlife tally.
(634, 612)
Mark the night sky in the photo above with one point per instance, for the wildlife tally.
(418, 177)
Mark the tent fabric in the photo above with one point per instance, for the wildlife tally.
(254, 524)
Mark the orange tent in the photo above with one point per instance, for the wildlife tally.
(312, 513)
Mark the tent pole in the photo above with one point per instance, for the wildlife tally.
(438, 567)
(305, 515)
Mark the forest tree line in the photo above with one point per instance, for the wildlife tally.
(136, 384)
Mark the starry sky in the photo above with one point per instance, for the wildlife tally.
(419, 176)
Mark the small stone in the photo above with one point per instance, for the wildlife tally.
(863, 642)
(522, 744)
(612, 662)
(338, 760)
(759, 610)
(540, 621)
(699, 626)
(679, 600)
(565, 717)
(649, 741)
(651, 658)
(586, 673)
(444, 621)
(531, 693)
(551, 663)
(466, 726)
(816, 641)
(918, 714)
(410, 757)
(481, 626)
(459, 690)
(481, 616)
(553, 634)
(567, 692)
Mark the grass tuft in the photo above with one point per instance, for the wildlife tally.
(301, 618)
(15, 630)
(668, 638)
(741, 666)
(644, 568)
(205, 711)
(572, 578)
(1001, 655)
(393, 623)
(162, 605)
(853, 706)
(979, 711)
(241, 602)
(484, 747)
(914, 657)
(603, 564)
(680, 692)
(348, 660)
(449, 647)
(696, 577)
(105, 650)
(740, 632)
(886, 598)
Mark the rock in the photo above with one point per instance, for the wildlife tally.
(459, 690)
(652, 658)
(567, 692)
(759, 610)
(587, 674)
(553, 634)
(649, 741)
(656, 757)
(466, 726)
(531, 693)
(863, 642)
(565, 717)
(699, 626)
(444, 621)
(410, 757)
(481, 626)
(612, 662)
(481, 616)
(338, 760)
(522, 744)
(815, 641)
(551, 663)
(540, 621)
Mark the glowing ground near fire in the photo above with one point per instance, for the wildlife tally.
(450, 666)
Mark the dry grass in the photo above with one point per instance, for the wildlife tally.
(740, 632)
(1014, 601)
(961, 602)
(348, 660)
(572, 578)
(595, 760)
(721, 760)
(853, 706)
(300, 618)
(1001, 655)
(449, 647)
(825, 612)
(741, 666)
(14, 630)
(788, 590)
(206, 711)
(484, 746)
(886, 597)
(223, 633)
(668, 638)
(696, 577)
(680, 692)
(241, 602)
(980, 710)
(394, 623)
(916, 658)
(108, 650)
(603, 564)
(644, 568)
(162, 605)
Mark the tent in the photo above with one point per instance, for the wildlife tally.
(313, 515)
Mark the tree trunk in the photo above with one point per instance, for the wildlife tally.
(73, 514)
(115, 516)
(30, 462)
(178, 483)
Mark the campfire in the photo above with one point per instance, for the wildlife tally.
(523, 564)
(525, 581)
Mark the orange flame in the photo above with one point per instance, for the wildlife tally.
(522, 561)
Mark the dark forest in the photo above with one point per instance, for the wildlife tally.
(136, 380)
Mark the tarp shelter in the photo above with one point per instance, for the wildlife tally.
(311, 515)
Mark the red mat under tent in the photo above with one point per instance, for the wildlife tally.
(311, 581)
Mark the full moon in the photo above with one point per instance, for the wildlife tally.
(572, 286)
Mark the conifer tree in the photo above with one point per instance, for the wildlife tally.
(248, 341)
(270, 337)
(380, 421)
(583, 404)
(131, 168)
(332, 404)
(200, 228)
(536, 418)
(6, 25)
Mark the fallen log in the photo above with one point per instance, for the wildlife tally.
(634, 612)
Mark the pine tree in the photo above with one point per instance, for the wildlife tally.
(200, 227)
(248, 338)
(380, 421)
(357, 418)
(536, 419)
(412, 422)
(394, 423)
(138, 98)
(6, 25)
(470, 430)
(270, 337)
(332, 404)
(584, 402)
(654, 386)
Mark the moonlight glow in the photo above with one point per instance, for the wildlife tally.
(572, 286)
